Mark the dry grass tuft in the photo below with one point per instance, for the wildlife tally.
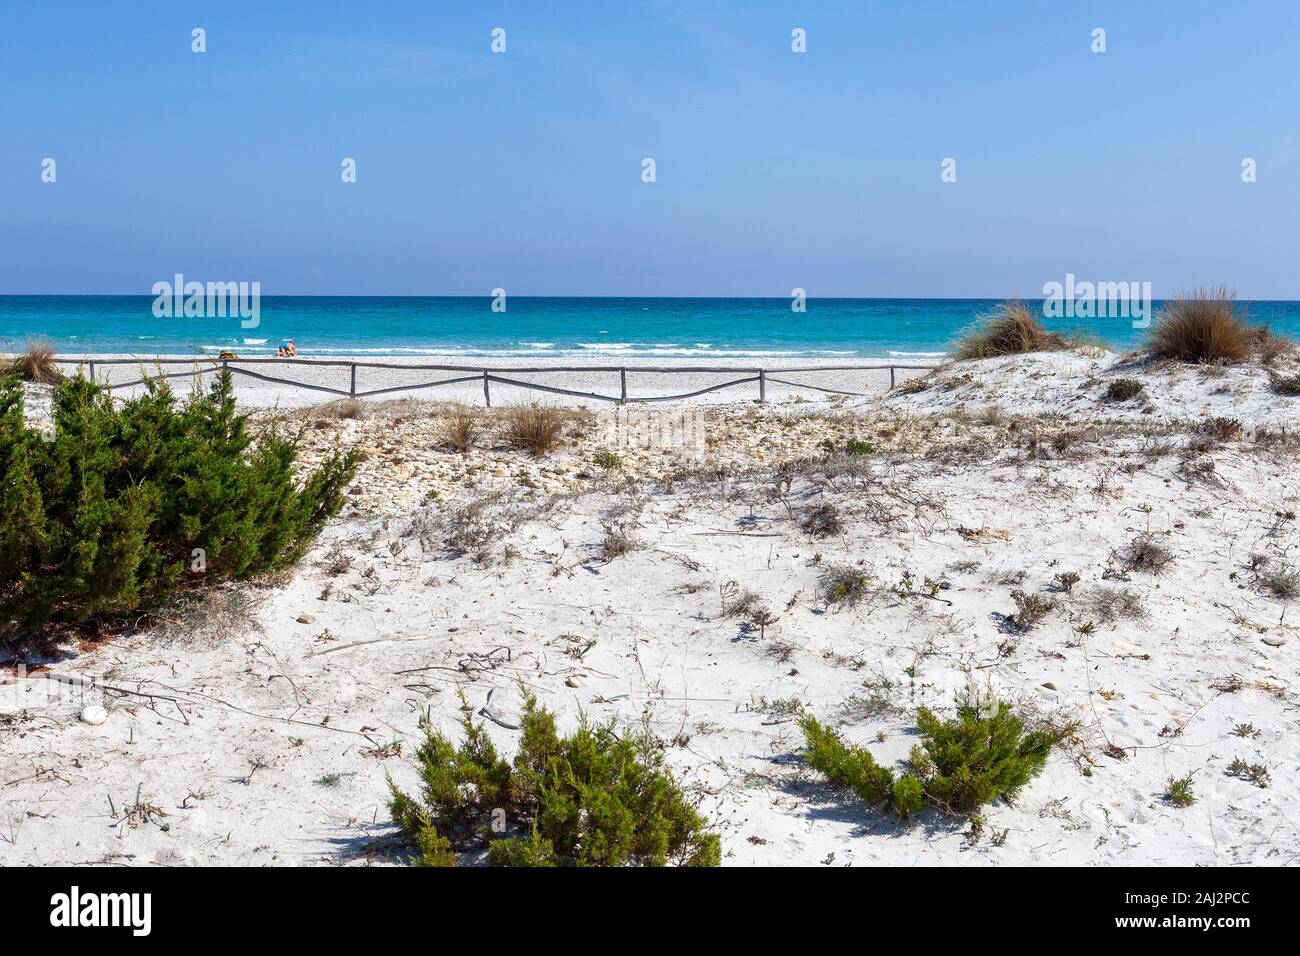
(1115, 604)
(616, 542)
(461, 428)
(821, 520)
(1205, 326)
(535, 427)
(1144, 553)
(738, 601)
(36, 363)
(1269, 346)
(342, 408)
(1012, 329)
(210, 616)
(1286, 384)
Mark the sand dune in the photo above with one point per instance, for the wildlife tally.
(261, 732)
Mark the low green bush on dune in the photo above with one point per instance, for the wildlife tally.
(128, 501)
(961, 764)
(596, 798)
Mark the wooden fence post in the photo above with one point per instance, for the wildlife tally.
(762, 385)
(92, 371)
(891, 376)
(622, 380)
(352, 388)
(487, 396)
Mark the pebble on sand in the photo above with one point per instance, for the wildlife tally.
(93, 714)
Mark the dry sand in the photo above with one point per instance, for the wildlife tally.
(868, 379)
(262, 732)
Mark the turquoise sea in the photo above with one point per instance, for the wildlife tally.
(595, 329)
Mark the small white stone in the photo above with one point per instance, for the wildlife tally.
(93, 714)
(306, 618)
(1273, 640)
(573, 682)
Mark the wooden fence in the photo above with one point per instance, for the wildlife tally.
(466, 373)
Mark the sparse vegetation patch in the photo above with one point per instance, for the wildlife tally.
(600, 797)
(961, 764)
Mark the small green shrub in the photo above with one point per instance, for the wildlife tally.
(854, 446)
(597, 798)
(844, 584)
(1123, 389)
(1286, 384)
(129, 501)
(1179, 791)
(1256, 773)
(609, 460)
(958, 766)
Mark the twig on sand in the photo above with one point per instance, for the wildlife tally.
(741, 534)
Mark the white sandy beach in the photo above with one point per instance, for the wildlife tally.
(868, 378)
(263, 732)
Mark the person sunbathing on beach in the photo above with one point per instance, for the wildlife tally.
(286, 350)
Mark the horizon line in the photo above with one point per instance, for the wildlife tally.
(524, 295)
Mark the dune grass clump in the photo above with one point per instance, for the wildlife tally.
(1146, 554)
(821, 520)
(600, 797)
(535, 428)
(1282, 582)
(1012, 329)
(616, 541)
(1123, 389)
(344, 408)
(36, 363)
(1268, 346)
(129, 502)
(461, 428)
(958, 767)
(1286, 384)
(1205, 325)
(844, 584)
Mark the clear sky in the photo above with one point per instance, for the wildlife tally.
(774, 169)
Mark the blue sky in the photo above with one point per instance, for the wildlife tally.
(775, 170)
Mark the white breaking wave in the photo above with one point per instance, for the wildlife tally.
(253, 347)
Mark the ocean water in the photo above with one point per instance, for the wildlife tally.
(594, 329)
